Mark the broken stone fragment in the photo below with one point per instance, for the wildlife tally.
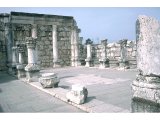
(78, 94)
(49, 80)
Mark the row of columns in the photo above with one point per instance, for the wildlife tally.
(104, 61)
(32, 51)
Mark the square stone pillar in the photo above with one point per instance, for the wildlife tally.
(104, 62)
(32, 69)
(123, 62)
(147, 84)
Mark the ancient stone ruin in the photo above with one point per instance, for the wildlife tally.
(147, 84)
(31, 41)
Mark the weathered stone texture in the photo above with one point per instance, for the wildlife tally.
(148, 45)
(146, 85)
(3, 55)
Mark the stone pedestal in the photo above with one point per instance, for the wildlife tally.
(21, 72)
(104, 63)
(49, 80)
(113, 63)
(89, 62)
(78, 94)
(147, 84)
(32, 69)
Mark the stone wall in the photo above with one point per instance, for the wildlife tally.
(3, 55)
(45, 28)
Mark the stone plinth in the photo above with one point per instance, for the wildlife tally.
(113, 63)
(104, 62)
(21, 71)
(78, 94)
(49, 80)
(147, 84)
(89, 62)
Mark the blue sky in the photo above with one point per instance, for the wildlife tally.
(98, 22)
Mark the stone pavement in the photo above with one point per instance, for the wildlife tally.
(17, 96)
(109, 91)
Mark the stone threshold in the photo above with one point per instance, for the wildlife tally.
(91, 106)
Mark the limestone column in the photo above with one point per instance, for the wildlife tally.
(147, 84)
(123, 54)
(34, 35)
(89, 54)
(14, 61)
(72, 47)
(20, 65)
(75, 46)
(32, 66)
(56, 62)
(103, 60)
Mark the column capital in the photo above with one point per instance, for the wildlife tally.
(14, 48)
(20, 48)
(89, 41)
(104, 42)
(123, 42)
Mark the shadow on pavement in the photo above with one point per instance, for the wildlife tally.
(4, 77)
(90, 98)
(1, 110)
(65, 77)
(64, 87)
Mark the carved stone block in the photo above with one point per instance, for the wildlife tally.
(78, 94)
(49, 80)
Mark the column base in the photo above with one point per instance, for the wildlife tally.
(12, 70)
(75, 63)
(21, 71)
(123, 65)
(103, 64)
(32, 72)
(147, 88)
(139, 105)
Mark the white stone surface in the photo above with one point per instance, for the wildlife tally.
(78, 94)
(148, 45)
(91, 79)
